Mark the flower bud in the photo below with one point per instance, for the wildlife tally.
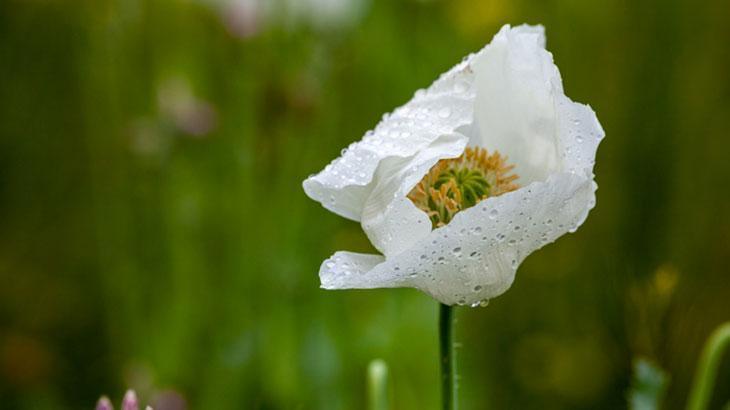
(130, 401)
(104, 404)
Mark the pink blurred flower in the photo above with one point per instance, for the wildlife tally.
(129, 402)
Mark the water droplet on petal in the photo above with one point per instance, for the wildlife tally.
(445, 112)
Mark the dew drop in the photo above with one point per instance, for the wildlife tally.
(445, 112)
(477, 288)
(493, 213)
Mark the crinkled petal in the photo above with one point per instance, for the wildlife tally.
(475, 256)
(579, 134)
(391, 221)
(351, 270)
(444, 108)
(515, 114)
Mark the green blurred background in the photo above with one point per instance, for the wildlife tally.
(154, 233)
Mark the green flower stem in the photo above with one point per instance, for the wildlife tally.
(378, 385)
(707, 368)
(448, 365)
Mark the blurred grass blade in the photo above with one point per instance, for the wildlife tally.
(648, 385)
(707, 368)
(378, 385)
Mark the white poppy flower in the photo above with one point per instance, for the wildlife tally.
(474, 173)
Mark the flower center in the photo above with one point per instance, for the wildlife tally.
(459, 183)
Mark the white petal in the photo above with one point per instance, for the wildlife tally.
(515, 112)
(391, 221)
(476, 255)
(443, 109)
(350, 270)
(579, 134)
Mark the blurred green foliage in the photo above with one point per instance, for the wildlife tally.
(154, 233)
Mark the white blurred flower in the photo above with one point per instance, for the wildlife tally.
(412, 181)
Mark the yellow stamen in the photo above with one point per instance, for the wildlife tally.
(455, 184)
